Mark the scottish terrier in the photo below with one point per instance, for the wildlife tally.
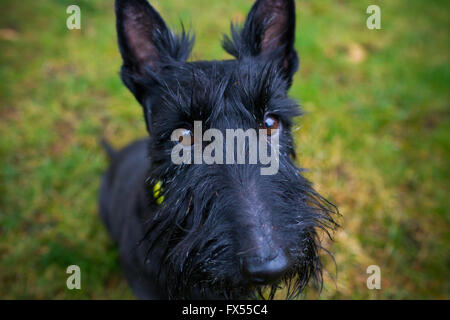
(210, 230)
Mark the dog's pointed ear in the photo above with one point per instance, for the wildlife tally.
(147, 46)
(139, 29)
(269, 30)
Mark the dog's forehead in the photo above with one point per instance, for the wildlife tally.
(223, 89)
(229, 74)
(204, 76)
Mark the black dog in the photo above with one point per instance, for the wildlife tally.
(211, 231)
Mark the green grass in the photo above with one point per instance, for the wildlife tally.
(375, 138)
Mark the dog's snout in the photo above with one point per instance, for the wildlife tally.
(265, 271)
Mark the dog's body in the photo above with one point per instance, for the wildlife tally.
(122, 201)
(211, 231)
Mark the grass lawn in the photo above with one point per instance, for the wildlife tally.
(375, 138)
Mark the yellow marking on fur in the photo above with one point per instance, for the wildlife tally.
(157, 192)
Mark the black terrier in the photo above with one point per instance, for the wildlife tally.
(202, 230)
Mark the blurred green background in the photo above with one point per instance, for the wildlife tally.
(375, 138)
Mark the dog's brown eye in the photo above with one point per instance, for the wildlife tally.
(186, 137)
(271, 123)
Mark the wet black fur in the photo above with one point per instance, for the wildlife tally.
(190, 246)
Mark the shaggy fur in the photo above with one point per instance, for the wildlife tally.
(213, 217)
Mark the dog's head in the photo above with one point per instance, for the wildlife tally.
(228, 228)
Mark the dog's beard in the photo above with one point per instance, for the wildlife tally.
(307, 268)
(199, 260)
(198, 280)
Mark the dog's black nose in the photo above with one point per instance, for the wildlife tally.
(265, 271)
